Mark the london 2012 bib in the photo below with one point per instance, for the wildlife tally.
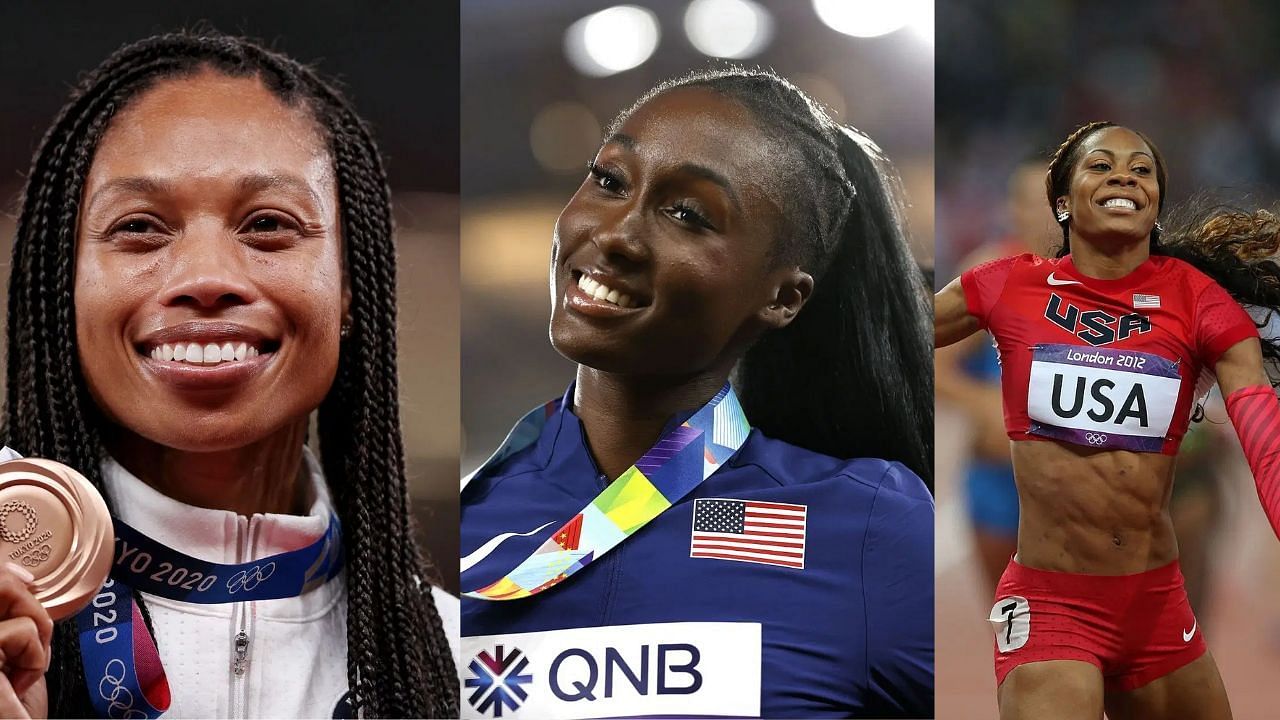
(1102, 397)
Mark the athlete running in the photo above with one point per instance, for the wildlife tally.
(1104, 351)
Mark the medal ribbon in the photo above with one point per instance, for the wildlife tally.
(680, 461)
(121, 665)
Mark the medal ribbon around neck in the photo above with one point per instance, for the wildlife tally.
(121, 664)
(680, 461)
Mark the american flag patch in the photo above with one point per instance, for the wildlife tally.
(749, 531)
(1145, 301)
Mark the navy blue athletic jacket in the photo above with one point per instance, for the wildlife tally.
(667, 623)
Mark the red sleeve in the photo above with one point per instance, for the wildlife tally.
(1255, 413)
(1220, 323)
(983, 285)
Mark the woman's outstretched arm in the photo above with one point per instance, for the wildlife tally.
(1255, 414)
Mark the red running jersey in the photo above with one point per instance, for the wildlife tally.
(1103, 363)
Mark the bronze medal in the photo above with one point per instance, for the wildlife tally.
(54, 524)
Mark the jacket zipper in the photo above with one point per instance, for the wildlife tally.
(240, 621)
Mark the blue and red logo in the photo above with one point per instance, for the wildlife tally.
(497, 680)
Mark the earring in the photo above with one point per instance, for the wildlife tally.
(1064, 215)
(1159, 227)
(345, 330)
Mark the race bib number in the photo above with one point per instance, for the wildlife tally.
(697, 668)
(1102, 397)
(1010, 620)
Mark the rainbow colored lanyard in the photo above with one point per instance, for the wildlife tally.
(680, 461)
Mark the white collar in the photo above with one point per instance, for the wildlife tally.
(219, 536)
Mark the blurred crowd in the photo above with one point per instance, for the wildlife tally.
(1197, 76)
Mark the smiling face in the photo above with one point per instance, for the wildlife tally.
(1114, 191)
(663, 261)
(208, 281)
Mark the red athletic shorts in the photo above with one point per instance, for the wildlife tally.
(1134, 628)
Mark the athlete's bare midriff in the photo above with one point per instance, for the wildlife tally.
(1095, 512)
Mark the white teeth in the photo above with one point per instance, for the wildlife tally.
(207, 354)
(1121, 203)
(599, 291)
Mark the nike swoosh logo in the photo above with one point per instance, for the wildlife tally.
(1188, 634)
(1055, 281)
(492, 544)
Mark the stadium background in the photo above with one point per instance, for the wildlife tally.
(535, 101)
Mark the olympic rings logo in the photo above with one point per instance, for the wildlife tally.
(37, 556)
(112, 689)
(28, 515)
(1095, 438)
(249, 579)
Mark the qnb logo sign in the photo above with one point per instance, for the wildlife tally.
(654, 669)
(577, 674)
(1094, 326)
(497, 680)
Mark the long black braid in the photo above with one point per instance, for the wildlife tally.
(852, 375)
(398, 657)
(1235, 247)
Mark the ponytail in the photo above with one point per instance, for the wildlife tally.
(852, 375)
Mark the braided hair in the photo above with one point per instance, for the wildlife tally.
(398, 657)
(1233, 246)
(852, 374)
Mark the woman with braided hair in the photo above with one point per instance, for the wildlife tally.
(204, 256)
(1104, 352)
(636, 547)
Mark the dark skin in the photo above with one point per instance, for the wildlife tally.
(210, 212)
(676, 216)
(1102, 512)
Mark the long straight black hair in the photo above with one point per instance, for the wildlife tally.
(852, 375)
(398, 657)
